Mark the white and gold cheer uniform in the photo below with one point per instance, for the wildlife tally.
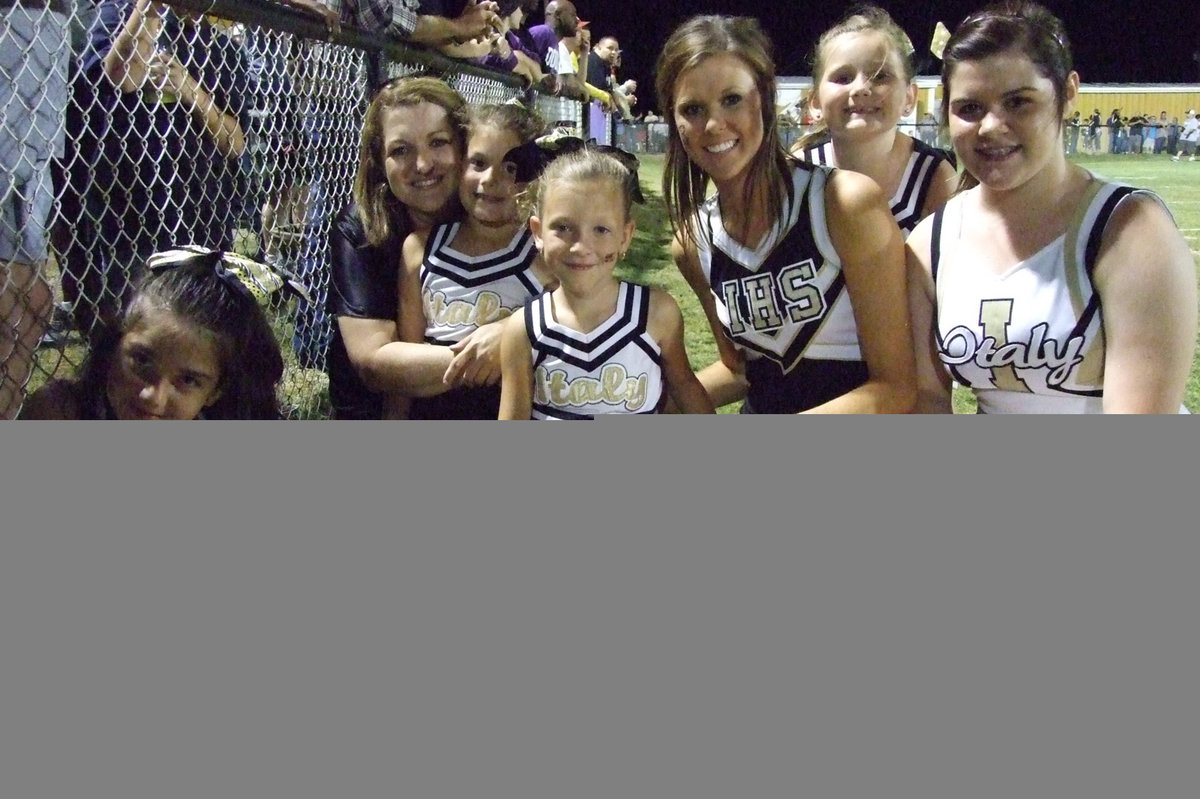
(1030, 340)
(616, 368)
(460, 293)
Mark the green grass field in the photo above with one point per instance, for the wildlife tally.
(1177, 182)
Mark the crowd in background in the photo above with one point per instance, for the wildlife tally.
(1122, 134)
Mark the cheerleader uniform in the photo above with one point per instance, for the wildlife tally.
(909, 199)
(1030, 340)
(785, 304)
(615, 368)
(460, 293)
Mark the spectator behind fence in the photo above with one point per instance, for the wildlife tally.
(34, 51)
(509, 53)
(192, 342)
(1149, 133)
(1042, 287)
(579, 46)
(1137, 124)
(166, 112)
(602, 64)
(864, 85)
(462, 279)
(426, 22)
(1115, 126)
(1173, 135)
(1161, 133)
(594, 344)
(410, 160)
(454, 27)
(1093, 133)
(561, 73)
(778, 254)
(1072, 137)
(315, 8)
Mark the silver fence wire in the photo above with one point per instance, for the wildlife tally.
(124, 173)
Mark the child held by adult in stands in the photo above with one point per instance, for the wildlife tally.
(461, 279)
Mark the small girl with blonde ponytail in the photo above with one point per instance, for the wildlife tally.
(595, 344)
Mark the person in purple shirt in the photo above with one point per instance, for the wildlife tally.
(510, 53)
(562, 22)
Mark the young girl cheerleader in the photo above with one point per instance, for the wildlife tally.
(864, 86)
(1042, 287)
(595, 344)
(461, 279)
(193, 342)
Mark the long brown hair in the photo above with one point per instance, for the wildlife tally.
(685, 185)
(381, 213)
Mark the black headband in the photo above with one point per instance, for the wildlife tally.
(532, 158)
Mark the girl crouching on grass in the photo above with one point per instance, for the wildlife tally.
(192, 343)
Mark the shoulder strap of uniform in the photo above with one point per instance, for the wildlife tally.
(532, 328)
(1097, 232)
(935, 241)
(1090, 221)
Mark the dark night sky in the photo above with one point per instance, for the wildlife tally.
(1112, 42)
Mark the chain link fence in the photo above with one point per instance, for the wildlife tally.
(262, 170)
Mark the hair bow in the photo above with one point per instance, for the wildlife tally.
(251, 278)
(532, 158)
(941, 35)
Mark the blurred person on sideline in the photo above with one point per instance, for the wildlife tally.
(1189, 137)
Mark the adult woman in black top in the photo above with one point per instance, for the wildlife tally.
(410, 158)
